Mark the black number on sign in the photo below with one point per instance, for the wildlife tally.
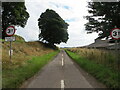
(119, 33)
(114, 33)
(10, 30)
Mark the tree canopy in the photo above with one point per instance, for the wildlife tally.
(53, 28)
(104, 16)
(13, 13)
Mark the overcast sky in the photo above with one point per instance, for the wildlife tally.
(72, 11)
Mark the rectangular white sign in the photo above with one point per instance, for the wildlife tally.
(9, 39)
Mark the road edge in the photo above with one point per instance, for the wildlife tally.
(92, 80)
(25, 83)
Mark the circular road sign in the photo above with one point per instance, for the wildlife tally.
(10, 31)
(115, 33)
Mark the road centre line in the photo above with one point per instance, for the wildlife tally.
(62, 62)
(62, 84)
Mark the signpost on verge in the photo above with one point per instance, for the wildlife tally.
(115, 34)
(10, 31)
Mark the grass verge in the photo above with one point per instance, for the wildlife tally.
(12, 78)
(104, 74)
(105, 57)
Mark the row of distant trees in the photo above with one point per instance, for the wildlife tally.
(103, 17)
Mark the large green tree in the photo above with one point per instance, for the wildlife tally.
(13, 13)
(52, 27)
(104, 16)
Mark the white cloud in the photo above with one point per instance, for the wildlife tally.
(70, 10)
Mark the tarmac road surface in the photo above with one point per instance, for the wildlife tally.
(62, 73)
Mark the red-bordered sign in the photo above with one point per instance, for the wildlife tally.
(115, 33)
(10, 31)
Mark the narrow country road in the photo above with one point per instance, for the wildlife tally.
(62, 72)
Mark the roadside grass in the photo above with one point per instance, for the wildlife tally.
(29, 56)
(22, 51)
(13, 77)
(104, 74)
(105, 57)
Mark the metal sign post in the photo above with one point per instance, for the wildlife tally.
(10, 39)
(10, 31)
(117, 54)
(115, 34)
(10, 51)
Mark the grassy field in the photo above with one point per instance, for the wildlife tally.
(93, 62)
(27, 59)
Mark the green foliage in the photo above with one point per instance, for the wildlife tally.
(53, 28)
(13, 13)
(104, 74)
(107, 58)
(104, 16)
(14, 77)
